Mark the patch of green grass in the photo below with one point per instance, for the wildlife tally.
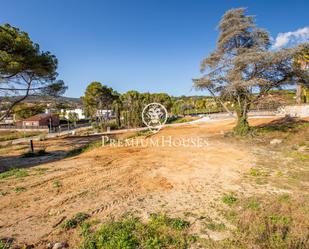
(57, 184)
(4, 245)
(84, 148)
(20, 189)
(40, 171)
(130, 233)
(279, 219)
(254, 205)
(19, 173)
(258, 172)
(229, 199)
(175, 223)
(75, 221)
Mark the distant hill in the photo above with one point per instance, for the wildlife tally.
(48, 99)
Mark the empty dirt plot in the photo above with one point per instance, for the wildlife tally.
(111, 181)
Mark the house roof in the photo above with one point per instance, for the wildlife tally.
(39, 117)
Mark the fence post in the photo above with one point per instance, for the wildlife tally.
(31, 145)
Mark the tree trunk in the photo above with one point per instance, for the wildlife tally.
(242, 127)
(298, 94)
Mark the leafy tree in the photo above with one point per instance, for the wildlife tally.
(162, 98)
(242, 68)
(23, 111)
(133, 103)
(117, 108)
(24, 69)
(73, 117)
(98, 97)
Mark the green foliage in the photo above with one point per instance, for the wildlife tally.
(110, 123)
(175, 223)
(229, 199)
(257, 172)
(242, 127)
(159, 232)
(18, 173)
(20, 189)
(23, 111)
(4, 245)
(133, 103)
(25, 68)
(242, 61)
(57, 184)
(254, 205)
(73, 117)
(75, 221)
(98, 97)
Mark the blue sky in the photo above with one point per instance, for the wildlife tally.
(149, 45)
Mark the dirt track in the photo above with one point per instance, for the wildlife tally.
(112, 181)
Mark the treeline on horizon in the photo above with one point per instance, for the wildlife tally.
(131, 103)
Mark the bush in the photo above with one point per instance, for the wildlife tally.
(110, 123)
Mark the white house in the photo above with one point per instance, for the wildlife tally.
(78, 111)
(104, 113)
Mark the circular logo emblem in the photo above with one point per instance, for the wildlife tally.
(154, 116)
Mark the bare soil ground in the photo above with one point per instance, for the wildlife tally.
(111, 181)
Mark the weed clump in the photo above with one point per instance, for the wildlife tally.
(77, 220)
(229, 199)
(20, 189)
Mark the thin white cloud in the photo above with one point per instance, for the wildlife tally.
(291, 38)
